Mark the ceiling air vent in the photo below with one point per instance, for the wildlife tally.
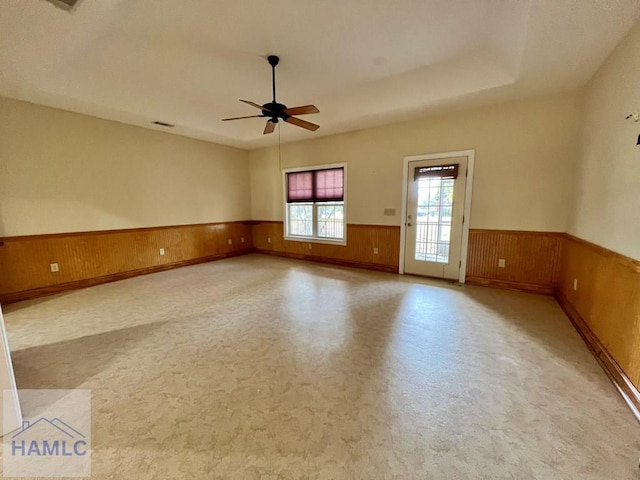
(65, 4)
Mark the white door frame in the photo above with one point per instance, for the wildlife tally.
(471, 156)
(10, 412)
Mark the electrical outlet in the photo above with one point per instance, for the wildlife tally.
(54, 267)
(162, 251)
(309, 246)
(575, 284)
(375, 250)
(502, 263)
(241, 239)
(230, 241)
(268, 239)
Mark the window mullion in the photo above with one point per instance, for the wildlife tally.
(315, 219)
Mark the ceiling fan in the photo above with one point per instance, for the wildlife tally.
(277, 111)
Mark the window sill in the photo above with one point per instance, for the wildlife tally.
(326, 241)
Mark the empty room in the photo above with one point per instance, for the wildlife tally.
(294, 239)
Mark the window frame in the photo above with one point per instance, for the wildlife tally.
(314, 238)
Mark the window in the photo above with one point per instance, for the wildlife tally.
(315, 207)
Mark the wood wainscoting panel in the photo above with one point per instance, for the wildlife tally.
(607, 300)
(89, 258)
(268, 237)
(612, 368)
(532, 259)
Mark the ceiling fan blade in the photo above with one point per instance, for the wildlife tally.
(304, 110)
(253, 104)
(269, 127)
(240, 118)
(302, 123)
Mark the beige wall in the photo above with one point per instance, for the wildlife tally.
(606, 209)
(64, 172)
(525, 154)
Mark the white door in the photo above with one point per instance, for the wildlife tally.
(435, 211)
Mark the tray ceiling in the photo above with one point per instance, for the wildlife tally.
(362, 63)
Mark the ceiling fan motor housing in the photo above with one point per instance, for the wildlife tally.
(275, 110)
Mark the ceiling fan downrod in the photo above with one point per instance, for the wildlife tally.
(273, 61)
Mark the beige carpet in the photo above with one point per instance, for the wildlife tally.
(263, 368)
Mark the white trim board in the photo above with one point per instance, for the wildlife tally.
(471, 156)
(11, 412)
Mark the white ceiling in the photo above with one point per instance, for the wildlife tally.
(361, 62)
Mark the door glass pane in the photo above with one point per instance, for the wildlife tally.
(433, 219)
